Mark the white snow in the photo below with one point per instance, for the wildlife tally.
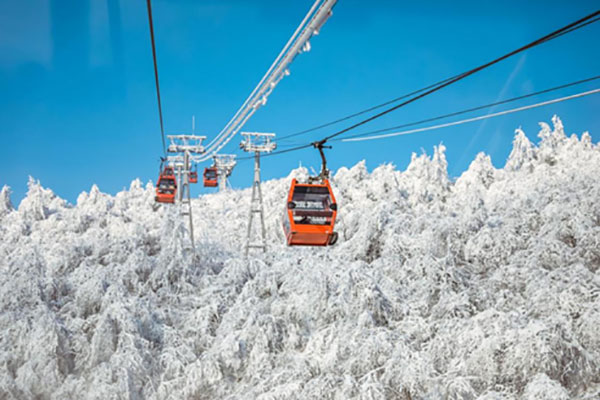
(486, 287)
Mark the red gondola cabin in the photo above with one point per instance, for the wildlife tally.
(310, 214)
(193, 176)
(166, 187)
(210, 177)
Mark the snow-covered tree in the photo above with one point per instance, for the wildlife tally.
(484, 287)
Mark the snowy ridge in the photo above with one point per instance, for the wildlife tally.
(483, 288)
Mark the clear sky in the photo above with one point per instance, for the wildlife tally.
(78, 103)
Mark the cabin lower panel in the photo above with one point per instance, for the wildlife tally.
(308, 239)
(306, 235)
(161, 198)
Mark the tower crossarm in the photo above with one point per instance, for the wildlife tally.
(225, 163)
(257, 141)
(185, 143)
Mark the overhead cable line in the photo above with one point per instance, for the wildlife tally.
(265, 76)
(479, 118)
(307, 145)
(299, 43)
(162, 129)
(356, 114)
(471, 109)
(578, 27)
(589, 19)
(570, 27)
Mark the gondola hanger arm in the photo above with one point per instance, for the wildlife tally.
(320, 145)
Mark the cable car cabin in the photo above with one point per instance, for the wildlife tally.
(310, 215)
(166, 187)
(210, 177)
(194, 177)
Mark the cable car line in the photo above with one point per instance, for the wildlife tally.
(587, 20)
(162, 129)
(479, 118)
(578, 27)
(307, 145)
(298, 43)
(537, 42)
(470, 109)
(266, 75)
(566, 29)
(364, 111)
(311, 209)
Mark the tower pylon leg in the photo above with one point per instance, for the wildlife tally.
(185, 197)
(256, 207)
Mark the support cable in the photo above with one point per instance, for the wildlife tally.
(470, 109)
(310, 26)
(537, 42)
(162, 129)
(587, 20)
(303, 146)
(356, 114)
(266, 75)
(479, 118)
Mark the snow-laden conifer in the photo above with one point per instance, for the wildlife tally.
(485, 287)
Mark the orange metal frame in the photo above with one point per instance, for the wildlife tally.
(307, 234)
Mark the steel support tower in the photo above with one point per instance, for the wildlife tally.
(257, 143)
(224, 164)
(185, 149)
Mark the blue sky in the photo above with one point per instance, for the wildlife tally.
(78, 103)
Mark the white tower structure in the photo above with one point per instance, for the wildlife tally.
(257, 143)
(224, 164)
(184, 150)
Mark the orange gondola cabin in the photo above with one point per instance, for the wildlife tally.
(194, 176)
(166, 187)
(310, 213)
(210, 177)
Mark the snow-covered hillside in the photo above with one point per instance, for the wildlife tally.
(487, 287)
